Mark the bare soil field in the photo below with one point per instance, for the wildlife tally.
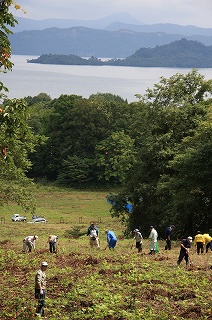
(85, 283)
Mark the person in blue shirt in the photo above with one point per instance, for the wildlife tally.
(111, 239)
(168, 233)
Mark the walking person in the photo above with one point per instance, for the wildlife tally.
(168, 233)
(138, 239)
(154, 239)
(208, 241)
(184, 250)
(29, 242)
(111, 239)
(40, 288)
(93, 234)
(199, 242)
(52, 240)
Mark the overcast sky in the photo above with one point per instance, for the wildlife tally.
(183, 12)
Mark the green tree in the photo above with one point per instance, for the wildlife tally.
(16, 138)
(158, 128)
(75, 171)
(16, 142)
(115, 155)
(191, 185)
(75, 126)
(7, 20)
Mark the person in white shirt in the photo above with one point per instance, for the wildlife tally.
(138, 239)
(154, 238)
(29, 242)
(93, 234)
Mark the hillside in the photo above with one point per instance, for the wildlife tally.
(86, 42)
(82, 283)
(179, 54)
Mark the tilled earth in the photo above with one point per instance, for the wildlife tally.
(142, 281)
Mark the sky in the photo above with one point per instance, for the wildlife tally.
(182, 12)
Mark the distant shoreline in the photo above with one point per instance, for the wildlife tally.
(178, 54)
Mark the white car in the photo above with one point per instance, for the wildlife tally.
(18, 218)
(38, 220)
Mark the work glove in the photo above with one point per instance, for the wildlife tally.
(41, 292)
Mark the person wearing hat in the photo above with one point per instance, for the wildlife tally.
(154, 239)
(29, 242)
(52, 240)
(199, 242)
(168, 233)
(138, 239)
(111, 239)
(184, 250)
(93, 234)
(40, 288)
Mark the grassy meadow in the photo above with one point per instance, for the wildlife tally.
(95, 284)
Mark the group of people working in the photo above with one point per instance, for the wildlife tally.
(153, 236)
(201, 241)
(29, 242)
(93, 234)
(111, 238)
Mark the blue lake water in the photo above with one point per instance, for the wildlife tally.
(29, 79)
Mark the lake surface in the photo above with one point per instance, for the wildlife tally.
(30, 79)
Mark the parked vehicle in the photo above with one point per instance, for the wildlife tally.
(36, 219)
(18, 218)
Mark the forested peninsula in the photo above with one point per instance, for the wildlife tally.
(178, 54)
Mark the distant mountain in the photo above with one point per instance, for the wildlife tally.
(178, 54)
(161, 27)
(114, 22)
(87, 42)
(30, 24)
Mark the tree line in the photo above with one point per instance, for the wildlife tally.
(157, 150)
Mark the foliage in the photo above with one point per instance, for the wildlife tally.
(76, 171)
(16, 138)
(75, 126)
(116, 155)
(6, 20)
(70, 59)
(16, 141)
(191, 184)
(165, 125)
(179, 90)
